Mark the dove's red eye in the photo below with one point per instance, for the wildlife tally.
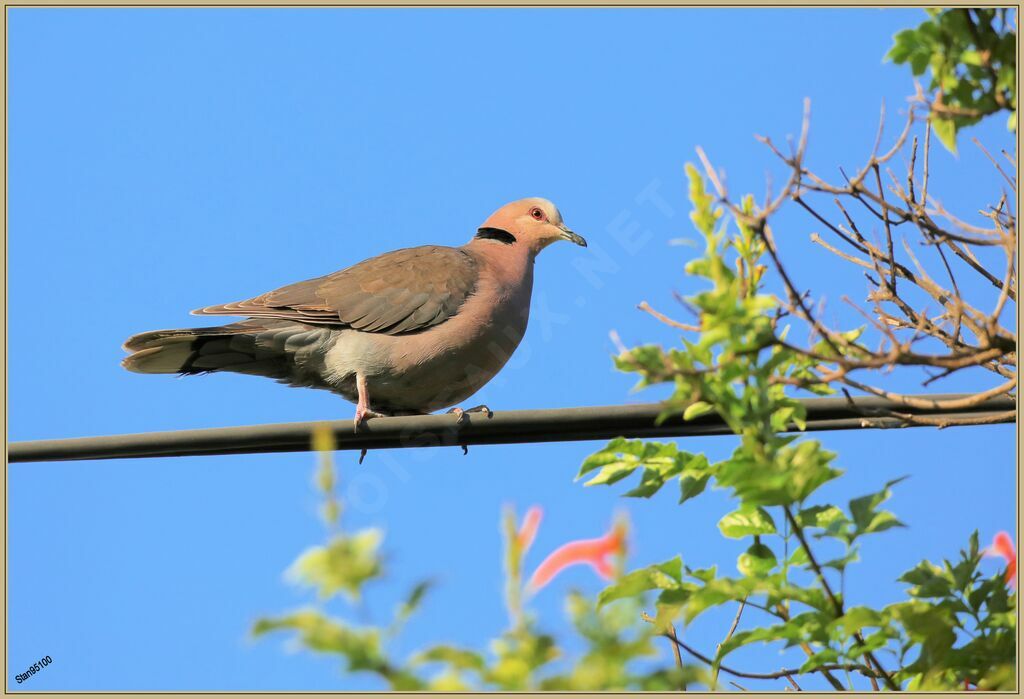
(537, 213)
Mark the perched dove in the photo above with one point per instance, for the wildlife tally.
(408, 332)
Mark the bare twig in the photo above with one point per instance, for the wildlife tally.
(728, 635)
(888, 234)
(646, 307)
(956, 404)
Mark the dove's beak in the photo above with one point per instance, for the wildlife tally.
(572, 237)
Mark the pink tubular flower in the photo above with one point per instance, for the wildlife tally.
(1002, 546)
(597, 553)
(528, 529)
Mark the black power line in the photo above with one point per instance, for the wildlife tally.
(505, 427)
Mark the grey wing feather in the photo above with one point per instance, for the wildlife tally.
(398, 292)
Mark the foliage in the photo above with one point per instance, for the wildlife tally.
(522, 658)
(972, 57)
(947, 603)
(956, 628)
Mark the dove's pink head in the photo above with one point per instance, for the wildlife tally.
(531, 224)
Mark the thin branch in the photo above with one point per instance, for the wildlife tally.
(670, 633)
(888, 235)
(953, 404)
(1011, 181)
(942, 422)
(927, 154)
(837, 605)
(646, 307)
(855, 667)
(732, 630)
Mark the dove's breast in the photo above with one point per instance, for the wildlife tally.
(445, 364)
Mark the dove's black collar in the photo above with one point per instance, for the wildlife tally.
(499, 234)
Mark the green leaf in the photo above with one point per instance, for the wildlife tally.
(1002, 678)
(820, 516)
(660, 462)
(932, 626)
(757, 560)
(840, 563)
(798, 557)
(619, 455)
(716, 592)
(794, 473)
(875, 641)
(963, 572)
(855, 619)
(343, 565)
(457, 658)
(945, 130)
(747, 521)
(826, 656)
(778, 591)
(704, 215)
(670, 602)
(867, 519)
(703, 574)
(413, 601)
(691, 486)
(904, 44)
(361, 647)
(663, 576)
(881, 521)
(808, 627)
(671, 679)
(697, 409)
(971, 58)
(655, 474)
(743, 638)
(928, 581)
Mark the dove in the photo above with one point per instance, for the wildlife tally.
(408, 332)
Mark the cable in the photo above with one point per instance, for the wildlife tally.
(504, 427)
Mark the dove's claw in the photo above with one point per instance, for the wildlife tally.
(462, 412)
(362, 415)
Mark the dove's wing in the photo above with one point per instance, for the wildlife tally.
(404, 291)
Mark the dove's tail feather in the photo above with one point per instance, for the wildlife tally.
(252, 347)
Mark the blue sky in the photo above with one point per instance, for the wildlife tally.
(166, 159)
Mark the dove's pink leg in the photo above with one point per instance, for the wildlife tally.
(363, 406)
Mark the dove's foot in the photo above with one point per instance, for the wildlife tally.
(362, 415)
(461, 413)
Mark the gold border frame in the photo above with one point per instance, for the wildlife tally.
(452, 4)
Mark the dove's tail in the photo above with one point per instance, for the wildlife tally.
(188, 350)
(275, 349)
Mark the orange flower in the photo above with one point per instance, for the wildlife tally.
(528, 530)
(597, 553)
(1002, 546)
